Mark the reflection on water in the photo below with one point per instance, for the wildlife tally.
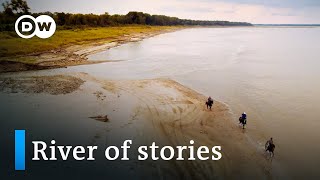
(270, 73)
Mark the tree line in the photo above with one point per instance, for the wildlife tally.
(15, 8)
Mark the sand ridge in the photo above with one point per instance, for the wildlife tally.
(164, 111)
(177, 114)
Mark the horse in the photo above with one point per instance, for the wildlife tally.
(242, 121)
(270, 149)
(209, 104)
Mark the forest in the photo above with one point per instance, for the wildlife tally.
(15, 8)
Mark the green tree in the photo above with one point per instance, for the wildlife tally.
(16, 7)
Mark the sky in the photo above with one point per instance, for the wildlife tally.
(253, 11)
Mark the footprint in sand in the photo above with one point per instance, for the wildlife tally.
(99, 95)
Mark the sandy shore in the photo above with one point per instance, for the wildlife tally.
(158, 109)
(164, 110)
(178, 114)
(71, 55)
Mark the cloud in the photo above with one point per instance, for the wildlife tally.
(255, 11)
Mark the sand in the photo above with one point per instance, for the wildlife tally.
(174, 114)
(71, 55)
(55, 85)
(158, 109)
(165, 111)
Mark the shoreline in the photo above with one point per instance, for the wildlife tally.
(73, 55)
(207, 128)
(164, 111)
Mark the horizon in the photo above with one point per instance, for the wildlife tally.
(252, 11)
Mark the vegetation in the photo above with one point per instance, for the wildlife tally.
(15, 8)
(83, 28)
(11, 45)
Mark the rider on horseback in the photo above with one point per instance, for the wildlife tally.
(244, 115)
(209, 103)
(269, 146)
(243, 119)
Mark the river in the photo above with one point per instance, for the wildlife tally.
(271, 73)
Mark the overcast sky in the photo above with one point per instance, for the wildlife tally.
(254, 11)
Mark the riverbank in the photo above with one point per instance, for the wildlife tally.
(68, 47)
(160, 110)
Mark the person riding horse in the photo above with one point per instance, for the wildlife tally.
(269, 146)
(209, 103)
(243, 119)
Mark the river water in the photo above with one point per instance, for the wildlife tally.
(270, 73)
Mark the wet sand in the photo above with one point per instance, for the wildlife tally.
(152, 109)
(178, 114)
(53, 85)
(171, 114)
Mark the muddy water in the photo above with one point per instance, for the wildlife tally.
(270, 73)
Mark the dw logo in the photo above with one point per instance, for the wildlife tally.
(43, 26)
